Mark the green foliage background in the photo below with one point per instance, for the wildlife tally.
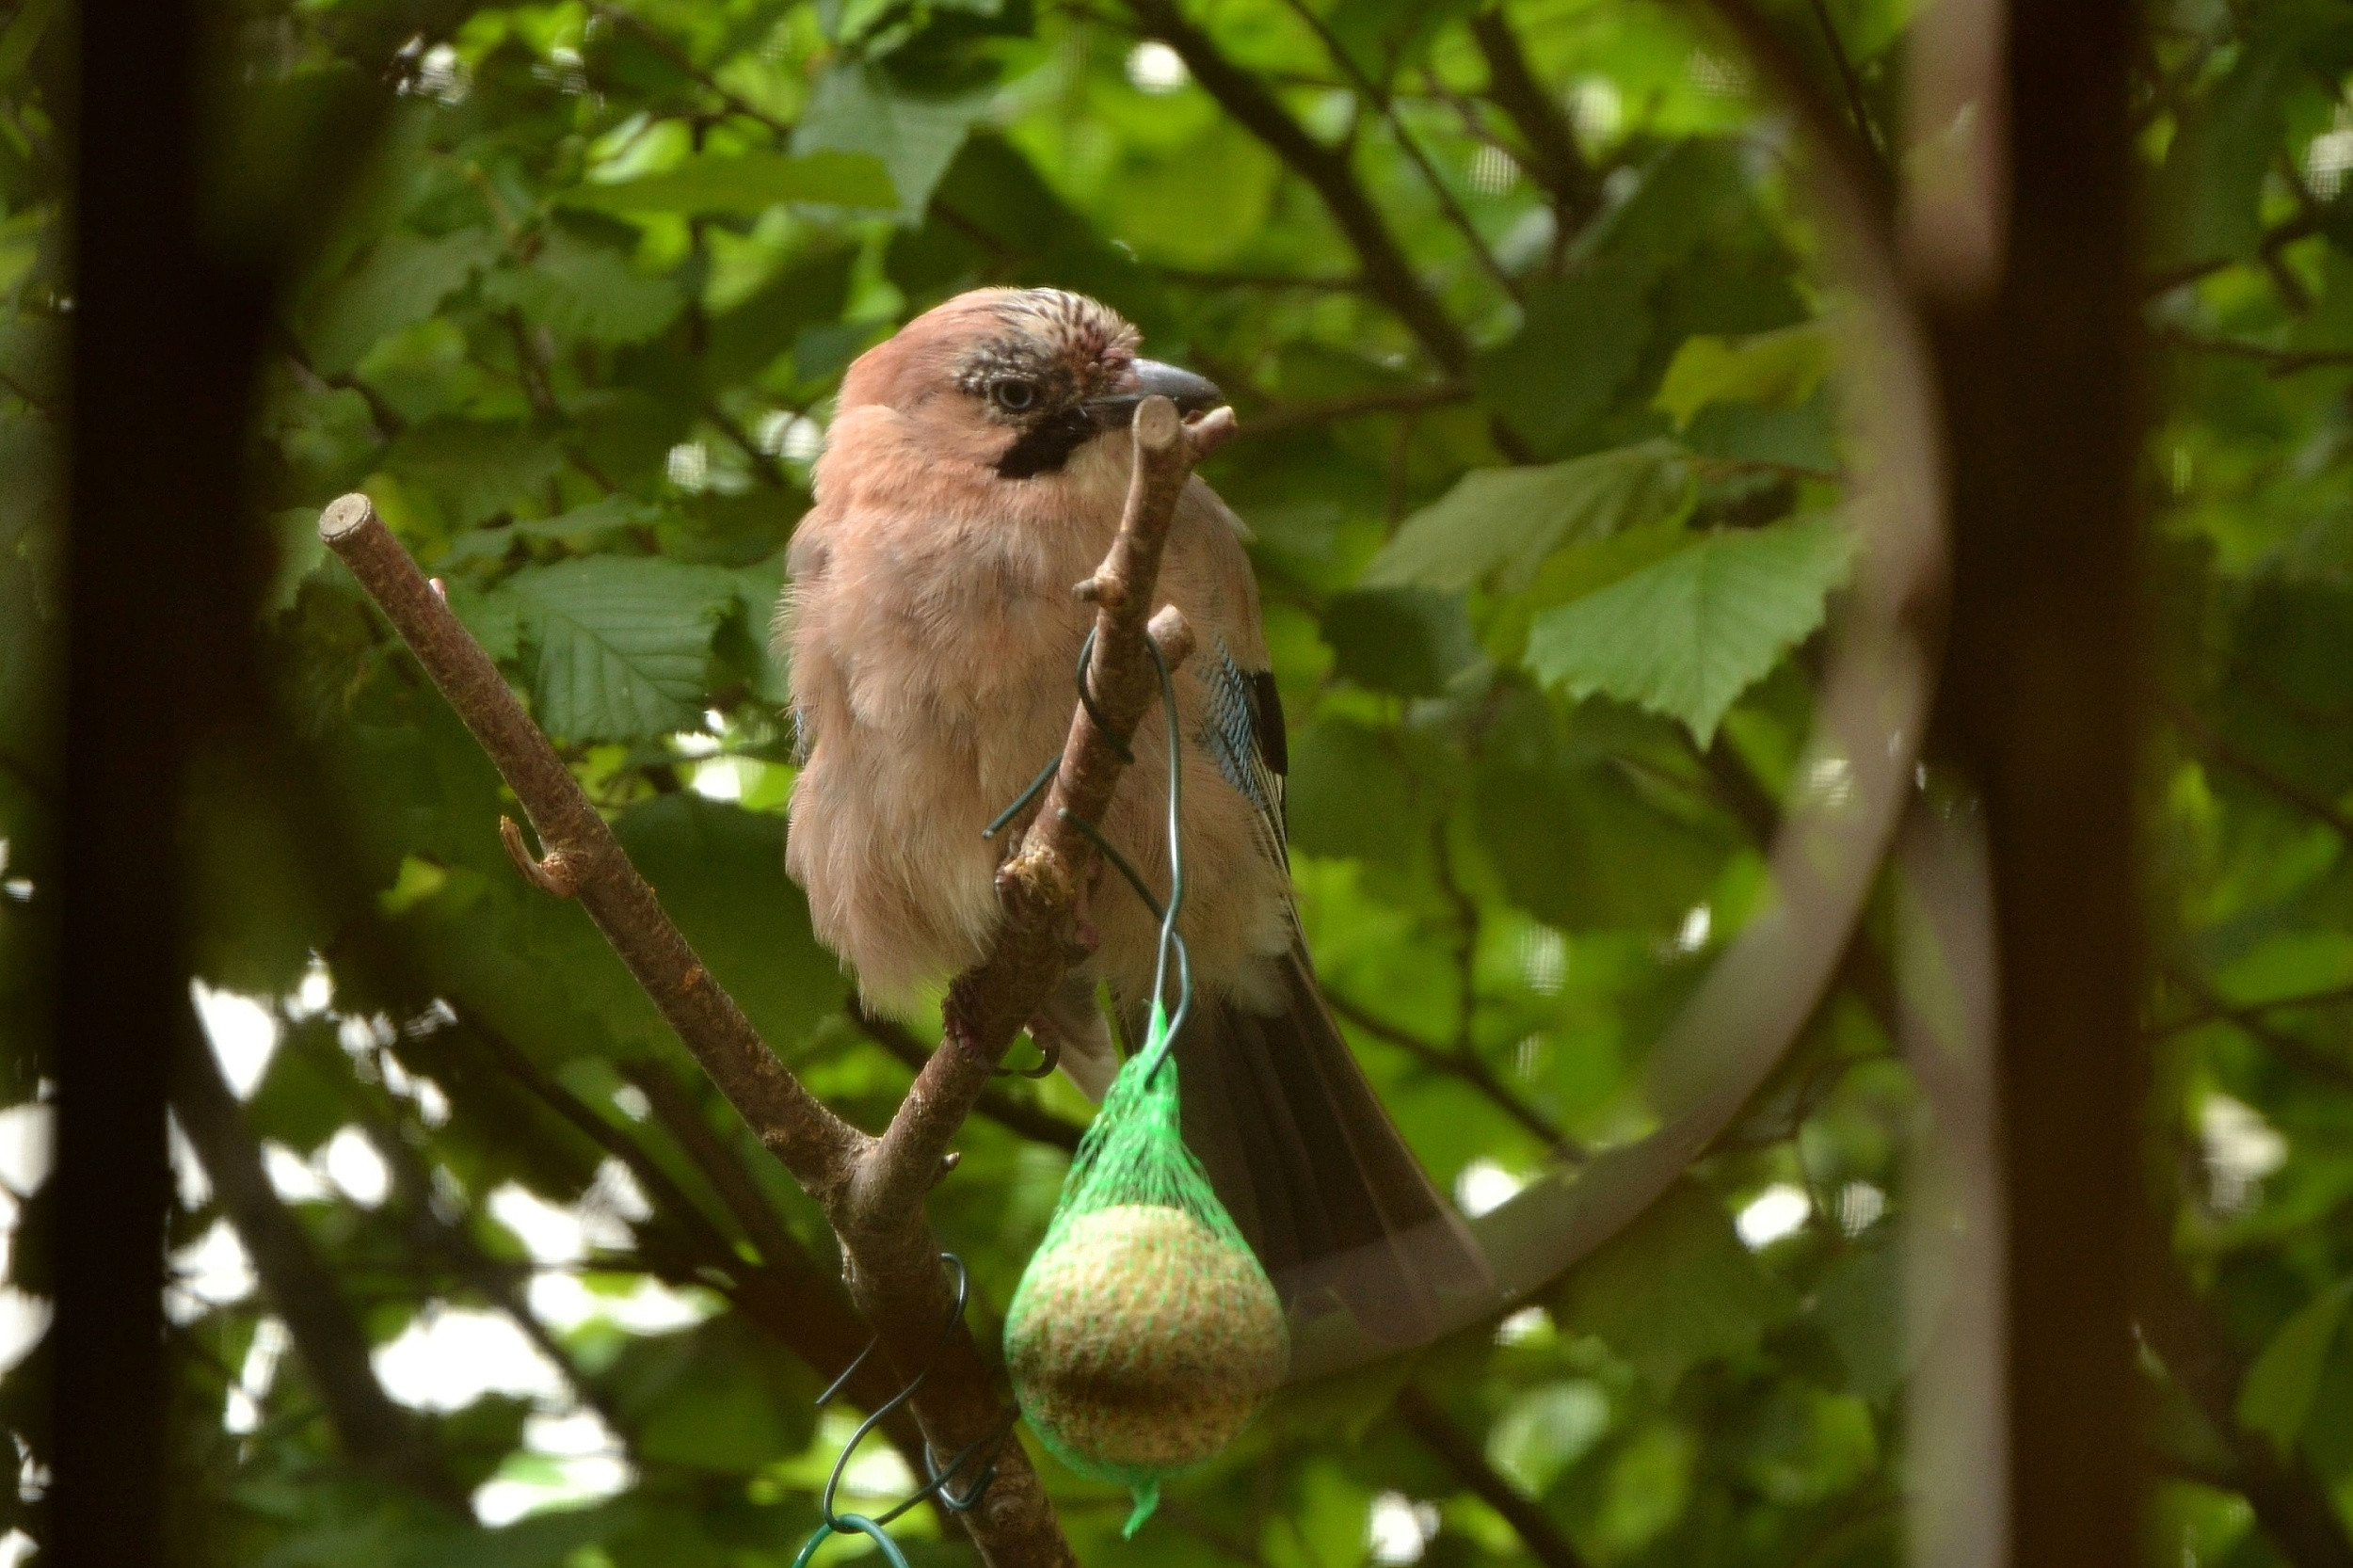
(1547, 523)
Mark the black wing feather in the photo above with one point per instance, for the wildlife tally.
(1245, 735)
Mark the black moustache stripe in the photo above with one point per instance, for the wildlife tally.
(1044, 447)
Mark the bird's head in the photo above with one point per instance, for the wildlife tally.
(1019, 379)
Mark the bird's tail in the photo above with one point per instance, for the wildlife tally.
(1312, 1169)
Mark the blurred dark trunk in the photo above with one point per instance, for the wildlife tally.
(164, 347)
(2043, 706)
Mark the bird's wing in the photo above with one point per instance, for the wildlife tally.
(1244, 734)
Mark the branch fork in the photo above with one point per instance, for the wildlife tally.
(871, 1189)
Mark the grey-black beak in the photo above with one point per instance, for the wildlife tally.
(1192, 394)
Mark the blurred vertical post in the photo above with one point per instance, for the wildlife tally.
(162, 357)
(2027, 248)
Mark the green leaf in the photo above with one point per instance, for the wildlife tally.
(1412, 641)
(403, 281)
(1349, 794)
(1578, 342)
(1496, 526)
(856, 109)
(580, 527)
(2276, 1398)
(1860, 1305)
(2211, 187)
(1780, 369)
(1685, 193)
(1200, 204)
(1687, 636)
(746, 184)
(1674, 1290)
(621, 645)
(588, 291)
(718, 1397)
(720, 872)
(1546, 1430)
(1798, 439)
(474, 469)
(1580, 848)
(494, 618)
(24, 34)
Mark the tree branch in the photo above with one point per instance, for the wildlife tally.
(1412, 398)
(1016, 1116)
(789, 1297)
(1553, 155)
(675, 1110)
(1857, 106)
(2279, 361)
(375, 1433)
(583, 860)
(2209, 741)
(1450, 1443)
(1465, 1065)
(1384, 103)
(1326, 169)
(2292, 1506)
(872, 1190)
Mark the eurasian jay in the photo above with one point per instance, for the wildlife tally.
(976, 468)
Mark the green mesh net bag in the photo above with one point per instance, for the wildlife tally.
(1144, 1336)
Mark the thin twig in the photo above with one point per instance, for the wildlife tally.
(1859, 166)
(663, 44)
(451, 1241)
(763, 463)
(788, 1296)
(2279, 361)
(2317, 1063)
(1413, 398)
(2276, 238)
(1546, 1541)
(1385, 105)
(1554, 157)
(2210, 741)
(1210, 279)
(1864, 126)
(1017, 1116)
(2290, 1503)
(1387, 271)
(2218, 1012)
(327, 1334)
(1463, 1064)
(680, 1116)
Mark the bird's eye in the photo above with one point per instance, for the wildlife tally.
(1014, 395)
